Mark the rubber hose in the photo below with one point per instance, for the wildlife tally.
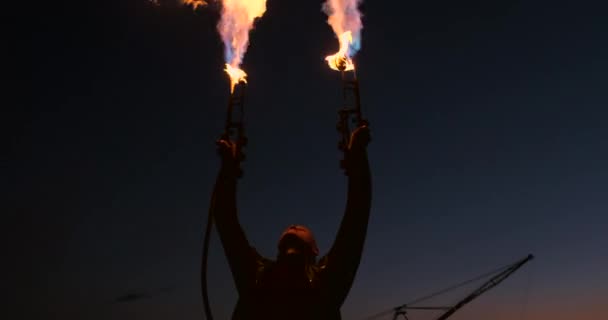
(205, 259)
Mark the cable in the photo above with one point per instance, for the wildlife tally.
(242, 141)
(205, 259)
(456, 286)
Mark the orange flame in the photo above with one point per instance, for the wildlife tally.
(234, 26)
(236, 75)
(345, 20)
(235, 23)
(340, 61)
(195, 3)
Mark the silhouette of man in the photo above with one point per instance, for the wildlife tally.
(295, 286)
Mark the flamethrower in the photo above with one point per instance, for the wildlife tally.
(345, 19)
(350, 115)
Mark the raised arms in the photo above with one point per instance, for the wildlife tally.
(239, 254)
(342, 261)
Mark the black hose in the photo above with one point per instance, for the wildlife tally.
(204, 262)
(207, 236)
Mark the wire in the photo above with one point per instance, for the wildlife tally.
(205, 259)
(381, 314)
(456, 286)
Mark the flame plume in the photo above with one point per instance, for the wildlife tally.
(345, 19)
(237, 20)
(195, 3)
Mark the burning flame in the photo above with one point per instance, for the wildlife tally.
(340, 61)
(345, 19)
(234, 26)
(236, 75)
(235, 23)
(194, 3)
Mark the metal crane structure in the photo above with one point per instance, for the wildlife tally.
(498, 276)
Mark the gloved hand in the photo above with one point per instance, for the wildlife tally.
(355, 158)
(229, 155)
(360, 139)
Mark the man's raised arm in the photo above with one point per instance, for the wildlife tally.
(239, 253)
(342, 261)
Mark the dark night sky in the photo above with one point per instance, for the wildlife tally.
(489, 127)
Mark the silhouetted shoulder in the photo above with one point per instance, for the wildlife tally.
(261, 263)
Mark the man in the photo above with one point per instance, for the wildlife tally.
(295, 286)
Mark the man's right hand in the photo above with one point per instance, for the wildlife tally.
(228, 153)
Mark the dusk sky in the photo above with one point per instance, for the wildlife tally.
(489, 124)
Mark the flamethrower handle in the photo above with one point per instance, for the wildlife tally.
(349, 113)
(237, 98)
